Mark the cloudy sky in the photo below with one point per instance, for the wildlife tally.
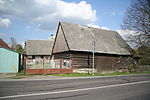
(38, 19)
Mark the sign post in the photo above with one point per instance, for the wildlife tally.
(93, 45)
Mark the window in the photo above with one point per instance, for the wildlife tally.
(42, 56)
(66, 64)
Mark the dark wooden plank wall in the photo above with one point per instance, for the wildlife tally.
(103, 62)
(79, 60)
(64, 55)
(106, 63)
(82, 60)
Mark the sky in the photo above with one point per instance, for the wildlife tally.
(38, 19)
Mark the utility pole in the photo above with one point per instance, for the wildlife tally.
(93, 44)
(93, 48)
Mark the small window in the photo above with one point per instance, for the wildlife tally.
(33, 57)
(65, 63)
(42, 56)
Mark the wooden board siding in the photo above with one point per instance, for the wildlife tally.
(106, 63)
(103, 62)
(81, 60)
(60, 43)
(64, 55)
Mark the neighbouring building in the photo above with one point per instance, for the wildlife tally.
(38, 58)
(38, 49)
(73, 42)
(4, 45)
(9, 60)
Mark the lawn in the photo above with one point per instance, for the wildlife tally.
(98, 74)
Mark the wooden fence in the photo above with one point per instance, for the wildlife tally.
(143, 68)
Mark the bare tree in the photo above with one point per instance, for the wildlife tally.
(137, 19)
(13, 41)
(15, 46)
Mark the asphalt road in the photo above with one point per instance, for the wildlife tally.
(133, 87)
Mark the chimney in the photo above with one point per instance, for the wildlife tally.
(51, 37)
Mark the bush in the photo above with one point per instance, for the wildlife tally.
(144, 53)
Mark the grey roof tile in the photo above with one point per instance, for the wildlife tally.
(38, 47)
(80, 38)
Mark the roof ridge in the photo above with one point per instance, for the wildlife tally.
(80, 38)
(87, 26)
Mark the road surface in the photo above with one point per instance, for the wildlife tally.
(132, 87)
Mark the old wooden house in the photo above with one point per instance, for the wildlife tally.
(74, 42)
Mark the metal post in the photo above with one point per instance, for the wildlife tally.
(93, 47)
(43, 62)
(25, 68)
(93, 54)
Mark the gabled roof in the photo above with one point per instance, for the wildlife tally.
(4, 45)
(38, 47)
(80, 38)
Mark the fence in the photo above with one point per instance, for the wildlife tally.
(47, 64)
(143, 68)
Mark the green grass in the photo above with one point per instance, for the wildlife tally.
(43, 74)
(17, 77)
(22, 75)
(98, 74)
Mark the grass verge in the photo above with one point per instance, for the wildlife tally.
(22, 75)
(99, 74)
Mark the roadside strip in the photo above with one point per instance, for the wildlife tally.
(71, 78)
